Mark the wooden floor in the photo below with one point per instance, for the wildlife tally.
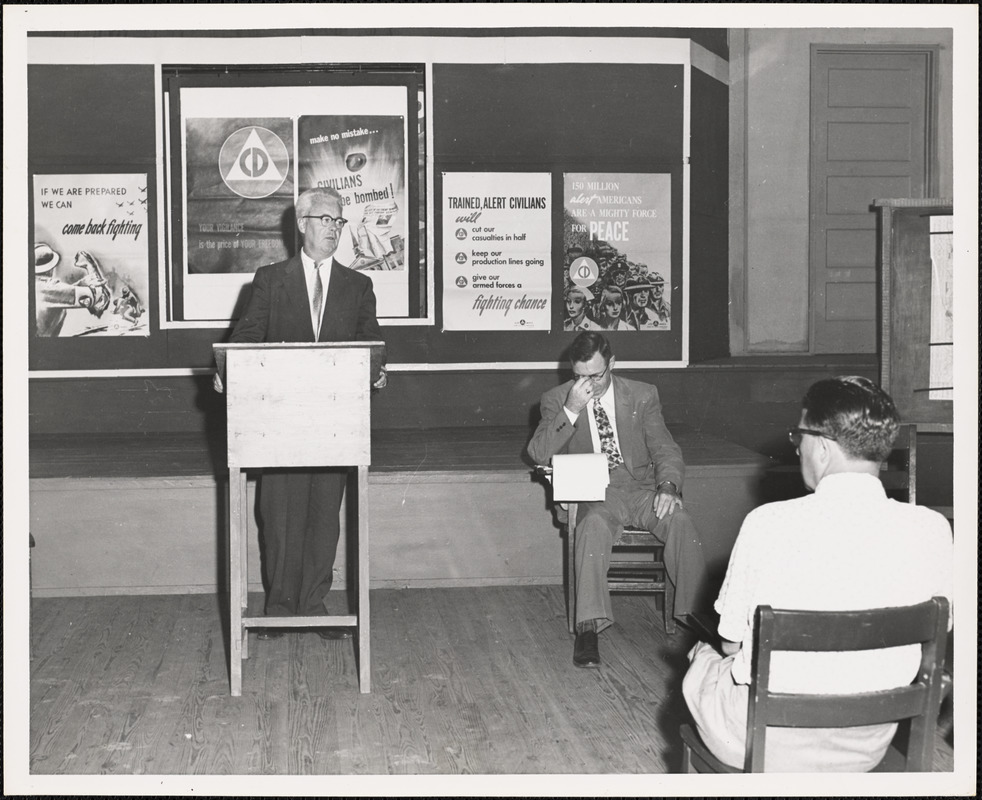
(472, 681)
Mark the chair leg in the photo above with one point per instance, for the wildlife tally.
(687, 759)
(668, 601)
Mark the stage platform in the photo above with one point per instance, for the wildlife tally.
(147, 514)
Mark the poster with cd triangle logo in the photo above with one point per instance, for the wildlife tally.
(617, 242)
(239, 186)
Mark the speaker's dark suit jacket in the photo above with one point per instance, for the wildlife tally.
(299, 508)
(279, 308)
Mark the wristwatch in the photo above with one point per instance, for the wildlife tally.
(668, 483)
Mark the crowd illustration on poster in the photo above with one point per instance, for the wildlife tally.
(91, 260)
(626, 295)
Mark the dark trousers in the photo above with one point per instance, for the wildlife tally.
(300, 527)
(598, 523)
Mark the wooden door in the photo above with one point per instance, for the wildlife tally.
(870, 138)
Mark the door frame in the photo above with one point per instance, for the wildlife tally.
(932, 168)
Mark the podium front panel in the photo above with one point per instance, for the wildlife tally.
(298, 407)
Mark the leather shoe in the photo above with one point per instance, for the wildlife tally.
(586, 650)
(334, 633)
(268, 633)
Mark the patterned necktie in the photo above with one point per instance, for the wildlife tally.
(607, 444)
(318, 298)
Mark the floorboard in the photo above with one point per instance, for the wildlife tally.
(474, 681)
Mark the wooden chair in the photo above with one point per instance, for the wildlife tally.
(925, 624)
(644, 572)
(899, 472)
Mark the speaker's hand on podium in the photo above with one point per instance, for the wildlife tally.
(383, 379)
(217, 383)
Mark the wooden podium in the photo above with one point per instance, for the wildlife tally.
(295, 405)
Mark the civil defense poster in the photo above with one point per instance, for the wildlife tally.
(617, 243)
(238, 190)
(363, 157)
(91, 255)
(496, 251)
(247, 154)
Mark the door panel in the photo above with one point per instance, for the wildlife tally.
(869, 140)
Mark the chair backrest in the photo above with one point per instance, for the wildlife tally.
(898, 473)
(925, 624)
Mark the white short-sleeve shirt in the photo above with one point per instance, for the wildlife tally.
(847, 546)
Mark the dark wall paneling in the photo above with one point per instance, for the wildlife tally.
(91, 115)
(591, 114)
(554, 118)
(709, 220)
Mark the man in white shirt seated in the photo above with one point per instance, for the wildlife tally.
(844, 547)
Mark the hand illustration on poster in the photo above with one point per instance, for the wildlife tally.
(363, 157)
(239, 193)
(617, 252)
(91, 257)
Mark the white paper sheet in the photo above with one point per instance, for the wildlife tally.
(579, 477)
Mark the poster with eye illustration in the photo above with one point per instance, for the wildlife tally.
(91, 257)
(617, 246)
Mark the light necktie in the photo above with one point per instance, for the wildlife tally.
(318, 299)
(607, 444)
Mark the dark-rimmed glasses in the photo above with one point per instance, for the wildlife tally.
(327, 219)
(597, 376)
(795, 434)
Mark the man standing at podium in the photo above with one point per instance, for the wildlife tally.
(307, 298)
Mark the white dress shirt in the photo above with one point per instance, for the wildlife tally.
(607, 403)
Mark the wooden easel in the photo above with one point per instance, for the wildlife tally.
(295, 405)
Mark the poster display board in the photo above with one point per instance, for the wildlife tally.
(91, 255)
(918, 263)
(496, 251)
(247, 152)
(617, 240)
(942, 364)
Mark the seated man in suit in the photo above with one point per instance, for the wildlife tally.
(600, 412)
(845, 547)
(307, 298)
